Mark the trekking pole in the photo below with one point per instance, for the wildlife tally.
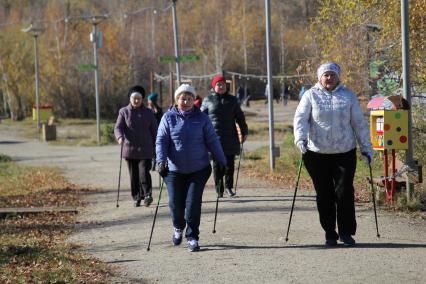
(238, 168)
(294, 196)
(155, 215)
(373, 192)
(119, 174)
(217, 204)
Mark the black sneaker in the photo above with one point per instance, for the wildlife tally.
(330, 242)
(137, 203)
(347, 240)
(177, 237)
(230, 192)
(148, 200)
(193, 245)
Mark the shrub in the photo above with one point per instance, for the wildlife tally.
(4, 158)
(107, 133)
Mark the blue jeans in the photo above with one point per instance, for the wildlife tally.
(185, 198)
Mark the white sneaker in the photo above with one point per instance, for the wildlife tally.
(177, 236)
(193, 245)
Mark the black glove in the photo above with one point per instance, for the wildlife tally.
(162, 169)
(221, 169)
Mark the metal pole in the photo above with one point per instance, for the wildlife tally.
(95, 62)
(171, 87)
(270, 94)
(176, 38)
(406, 84)
(36, 81)
(153, 34)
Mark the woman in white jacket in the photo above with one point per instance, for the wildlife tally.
(327, 124)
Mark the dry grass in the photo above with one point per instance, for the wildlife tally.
(33, 247)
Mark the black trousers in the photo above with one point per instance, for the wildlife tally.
(140, 178)
(332, 176)
(229, 173)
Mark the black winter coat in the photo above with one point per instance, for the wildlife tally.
(224, 111)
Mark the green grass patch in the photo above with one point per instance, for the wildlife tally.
(260, 131)
(257, 163)
(4, 158)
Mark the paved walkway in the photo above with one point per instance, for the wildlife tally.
(249, 245)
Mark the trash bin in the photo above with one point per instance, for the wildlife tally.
(48, 132)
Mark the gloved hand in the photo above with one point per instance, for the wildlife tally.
(221, 169)
(302, 146)
(368, 158)
(162, 169)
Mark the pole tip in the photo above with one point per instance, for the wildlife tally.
(286, 239)
(117, 206)
(378, 235)
(147, 249)
(214, 231)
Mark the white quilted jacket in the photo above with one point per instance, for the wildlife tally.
(331, 122)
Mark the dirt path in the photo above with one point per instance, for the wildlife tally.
(249, 245)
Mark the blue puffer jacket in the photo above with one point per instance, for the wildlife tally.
(184, 141)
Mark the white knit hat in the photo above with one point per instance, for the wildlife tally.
(328, 67)
(185, 88)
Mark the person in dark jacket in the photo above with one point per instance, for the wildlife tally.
(240, 95)
(135, 130)
(185, 138)
(153, 105)
(224, 111)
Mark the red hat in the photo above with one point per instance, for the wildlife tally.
(217, 78)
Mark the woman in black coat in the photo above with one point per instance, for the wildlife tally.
(225, 112)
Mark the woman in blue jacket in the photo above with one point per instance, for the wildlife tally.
(184, 139)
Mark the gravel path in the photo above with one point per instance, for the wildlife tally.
(249, 245)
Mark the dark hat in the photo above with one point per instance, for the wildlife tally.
(153, 97)
(136, 89)
(217, 78)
